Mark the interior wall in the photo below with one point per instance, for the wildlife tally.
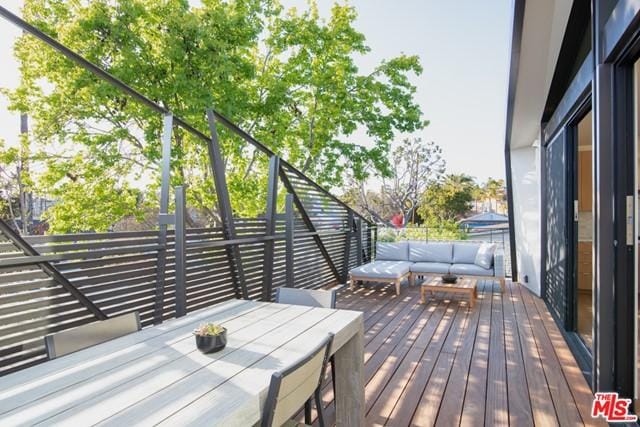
(585, 204)
(525, 165)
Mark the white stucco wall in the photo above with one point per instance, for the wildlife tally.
(525, 165)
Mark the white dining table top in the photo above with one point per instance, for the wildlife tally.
(157, 375)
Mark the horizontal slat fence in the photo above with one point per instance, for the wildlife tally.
(118, 273)
(56, 282)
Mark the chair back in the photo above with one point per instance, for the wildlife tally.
(84, 336)
(291, 388)
(307, 297)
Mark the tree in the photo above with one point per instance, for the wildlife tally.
(414, 165)
(370, 204)
(494, 190)
(15, 184)
(286, 77)
(478, 195)
(447, 199)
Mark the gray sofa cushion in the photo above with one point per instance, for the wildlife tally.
(471, 270)
(484, 257)
(382, 270)
(431, 252)
(398, 251)
(431, 267)
(465, 253)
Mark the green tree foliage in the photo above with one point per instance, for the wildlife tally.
(435, 230)
(494, 190)
(287, 77)
(447, 199)
(15, 181)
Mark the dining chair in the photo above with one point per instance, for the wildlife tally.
(71, 340)
(296, 386)
(307, 297)
(311, 298)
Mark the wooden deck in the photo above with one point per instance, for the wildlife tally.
(504, 362)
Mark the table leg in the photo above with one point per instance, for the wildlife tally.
(349, 361)
(423, 298)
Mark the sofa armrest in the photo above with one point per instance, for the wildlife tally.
(498, 263)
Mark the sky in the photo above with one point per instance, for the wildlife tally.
(463, 45)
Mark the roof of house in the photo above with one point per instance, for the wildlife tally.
(489, 217)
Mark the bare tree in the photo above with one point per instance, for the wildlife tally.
(368, 203)
(414, 164)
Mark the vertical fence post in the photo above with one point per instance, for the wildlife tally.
(163, 218)
(359, 239)
(270, 227)
(374, 242)
(347, 247)
(180, 230)
(290, 225)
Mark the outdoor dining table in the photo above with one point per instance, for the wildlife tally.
(157, 375)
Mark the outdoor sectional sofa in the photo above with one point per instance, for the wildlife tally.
(398, 261)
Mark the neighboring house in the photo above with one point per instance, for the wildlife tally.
(485, 219)
(572, 175)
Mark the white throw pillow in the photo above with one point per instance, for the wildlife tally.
(484, 257)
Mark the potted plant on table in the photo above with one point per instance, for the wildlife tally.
(210, 337)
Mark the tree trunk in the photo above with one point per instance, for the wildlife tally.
(25, 197)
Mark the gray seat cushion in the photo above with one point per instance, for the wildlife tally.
(398, 251)
(465, 253)
(382, 270)
(431, 252)
(431, 267)
(471, 270)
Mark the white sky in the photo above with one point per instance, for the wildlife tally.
(464, 49)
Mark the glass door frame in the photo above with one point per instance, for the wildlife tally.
(579, 346)
(583, 354)
(625, 370)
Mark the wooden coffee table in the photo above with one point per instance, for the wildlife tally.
(464, 285)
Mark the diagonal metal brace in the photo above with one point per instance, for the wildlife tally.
(307, 221)
(224, 207)
(49, 269)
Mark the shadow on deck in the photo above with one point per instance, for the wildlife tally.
(442, 363)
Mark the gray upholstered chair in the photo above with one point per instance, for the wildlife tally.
(296, 386)
(84, 336)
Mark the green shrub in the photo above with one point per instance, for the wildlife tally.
(443, 230)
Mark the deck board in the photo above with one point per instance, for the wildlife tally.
(444, 363)
(497, 409)
(475, 396)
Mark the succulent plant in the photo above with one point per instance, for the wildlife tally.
(210, 329)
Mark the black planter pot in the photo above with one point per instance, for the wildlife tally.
(449, 278)
(211, 343)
